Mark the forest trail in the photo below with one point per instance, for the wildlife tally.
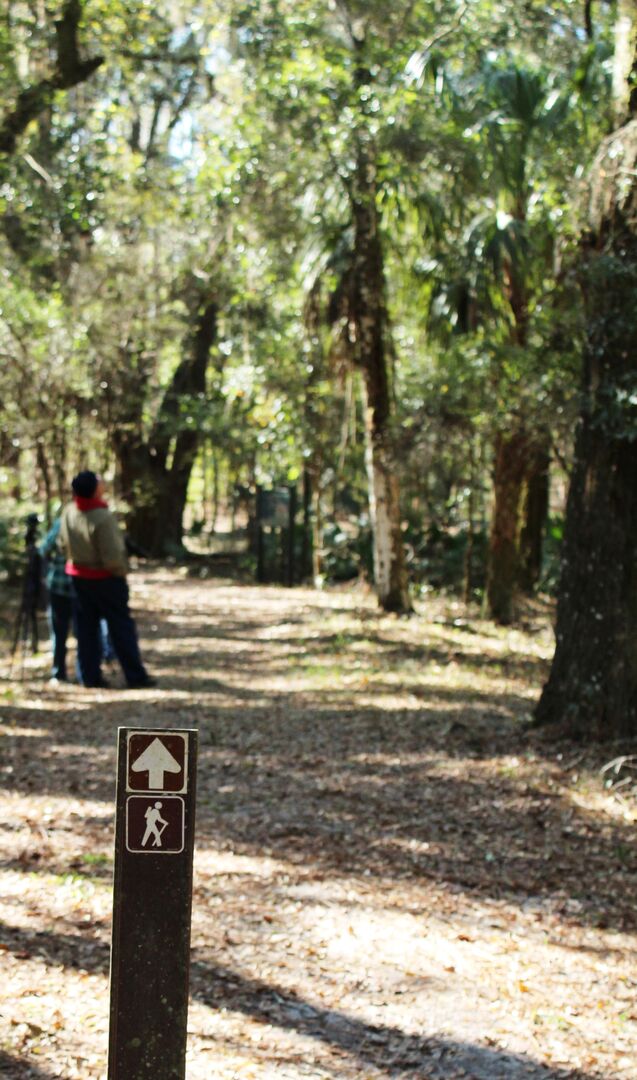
(392, 879)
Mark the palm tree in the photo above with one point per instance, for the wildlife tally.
(521, 112)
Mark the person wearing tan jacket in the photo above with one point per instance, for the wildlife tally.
(97, 566)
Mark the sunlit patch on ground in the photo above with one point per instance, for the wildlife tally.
(392, 879)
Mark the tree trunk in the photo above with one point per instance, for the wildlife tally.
(215, 489)
(469, 550)
(154, 477)
(317, 536)
(592, 687)
(60, 464)
(43, 466)
(624, 82)
(316, 435)
(305, 572)
(534, 514)
(512, 461)
(390, 575)
(509, 470)
(368, 332)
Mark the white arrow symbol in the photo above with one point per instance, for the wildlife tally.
(156, 760)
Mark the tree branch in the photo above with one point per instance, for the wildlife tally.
(416, 64)
(588, 19)
(156, 56)
(69, 71)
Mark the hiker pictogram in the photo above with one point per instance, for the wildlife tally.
(155, 825)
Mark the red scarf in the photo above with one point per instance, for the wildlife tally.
(89, 504)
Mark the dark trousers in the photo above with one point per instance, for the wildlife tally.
(106, 599)
(60, 619)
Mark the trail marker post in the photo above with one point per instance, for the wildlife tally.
(152, 899)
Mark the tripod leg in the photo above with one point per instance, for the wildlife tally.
(18, 640)
(35, 644)
(18, 631)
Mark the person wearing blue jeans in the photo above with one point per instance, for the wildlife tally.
(108, 600)
(60, 606)
(97, 566)
(60, 611)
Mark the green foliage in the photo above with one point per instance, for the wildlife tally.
(347, 550)
(213, 154)
(439, 560)
(552, 555)
(12, 547)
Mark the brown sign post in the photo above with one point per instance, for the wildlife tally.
(154, 839)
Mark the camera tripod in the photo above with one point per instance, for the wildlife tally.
(26, 622)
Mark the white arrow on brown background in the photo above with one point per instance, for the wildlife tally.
(156, 760)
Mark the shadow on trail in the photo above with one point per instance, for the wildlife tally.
(367, 648)
(15, 1068)
(378, 795)
(322, 778)
(64, 950)
(381, 1046)
(353, 791)
(375, 649)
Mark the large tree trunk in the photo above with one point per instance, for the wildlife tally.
(520, 510)
(369, 333)
(592, 687)
(153, 477)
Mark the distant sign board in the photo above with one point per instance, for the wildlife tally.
(273, 508)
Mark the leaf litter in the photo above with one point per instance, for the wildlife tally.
(393, 876)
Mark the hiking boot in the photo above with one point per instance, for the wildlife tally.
(147, 684)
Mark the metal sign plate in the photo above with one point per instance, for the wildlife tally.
(157, 761)
(155, 826)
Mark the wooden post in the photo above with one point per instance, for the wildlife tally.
(290, 571)
(150, 955)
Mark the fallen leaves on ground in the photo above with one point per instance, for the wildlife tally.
(393, 877)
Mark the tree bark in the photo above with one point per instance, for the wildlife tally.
(592, 687)
(624, 73)
(511, 466)
(153, 476)
(43, 466)
(534, 517)
(368, 332)
(469, 550)
(509, 471)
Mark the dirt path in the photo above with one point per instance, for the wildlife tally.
(391, 880)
